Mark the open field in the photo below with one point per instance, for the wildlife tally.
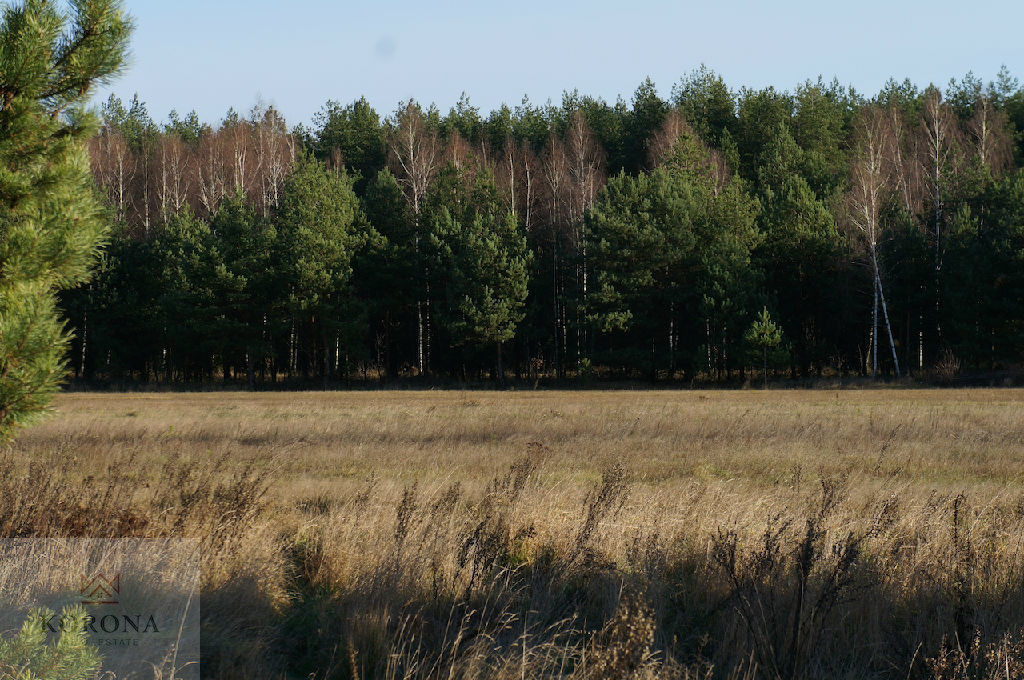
(874, 533)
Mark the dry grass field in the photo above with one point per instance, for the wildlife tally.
(592, 534)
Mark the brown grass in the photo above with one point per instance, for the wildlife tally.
(564, 534)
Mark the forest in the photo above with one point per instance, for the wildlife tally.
(710, 236)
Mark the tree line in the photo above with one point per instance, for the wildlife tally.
(656, 238)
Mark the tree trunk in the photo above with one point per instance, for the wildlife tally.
(874, 326)
(250, 370)
(501, 368)
(326, 367)
(765, 372)
(554, 299)
(888, 326)
(85, 339)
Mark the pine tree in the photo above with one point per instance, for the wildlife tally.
(484, 255)
(247, 245)
(764, 334)
(670, 252)
(388, 273)
(352, 135)
(321, 227)
(51, 223)
(488, 263)
(800, 255)
(193, 282)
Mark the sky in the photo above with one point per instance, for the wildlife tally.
(209, 55)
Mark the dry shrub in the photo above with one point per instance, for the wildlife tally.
(47, 499)
(999, 660)
(785, 587)
(607, 499)
(622, 648)
(948, 365)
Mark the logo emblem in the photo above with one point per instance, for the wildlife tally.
(100, 589)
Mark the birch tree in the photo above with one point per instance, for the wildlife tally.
(939, 133)
(416, 154)
(869, 188)
(113, 166)
(987, 131)
(585, 162)
(554, 174)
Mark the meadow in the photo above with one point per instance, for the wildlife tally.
(587, 534)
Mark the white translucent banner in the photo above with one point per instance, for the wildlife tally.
(140, 599)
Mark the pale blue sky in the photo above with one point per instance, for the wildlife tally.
(212, 54)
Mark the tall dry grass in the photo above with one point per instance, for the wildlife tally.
(585, 535)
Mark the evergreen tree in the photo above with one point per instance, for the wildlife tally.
(247, 245)
(984, 283)
(649, 110)
(488, 265)
(820, 125)
(321, 227)
(671, 257)
(188, 129)
(194, 285)
(355, 134)
(742, 207)
(51, 223)
(118, 329)
(800, 255)
(760, 114)
(389, 273)
(463, 120)
(133, 123)
(707, 104)
(482, 259)
(764, 335)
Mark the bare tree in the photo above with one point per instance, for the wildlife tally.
(869, 188)
(940, 155)
(141, 214)
(988, 132)
(415, 153)
(940, 144)
(210, 176)
(163, 174)
(458, 152)
(516, 173)
(662, 144)
(554, 171)
(275, 153)
(585, 160)
(113, 166)
(905, 161)
(172, 191)
(236, 136)
(586, 177)
(554, 176)
(570, 173)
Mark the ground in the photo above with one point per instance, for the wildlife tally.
(638, 486)
(746, 442)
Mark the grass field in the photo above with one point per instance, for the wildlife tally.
(873, 533)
